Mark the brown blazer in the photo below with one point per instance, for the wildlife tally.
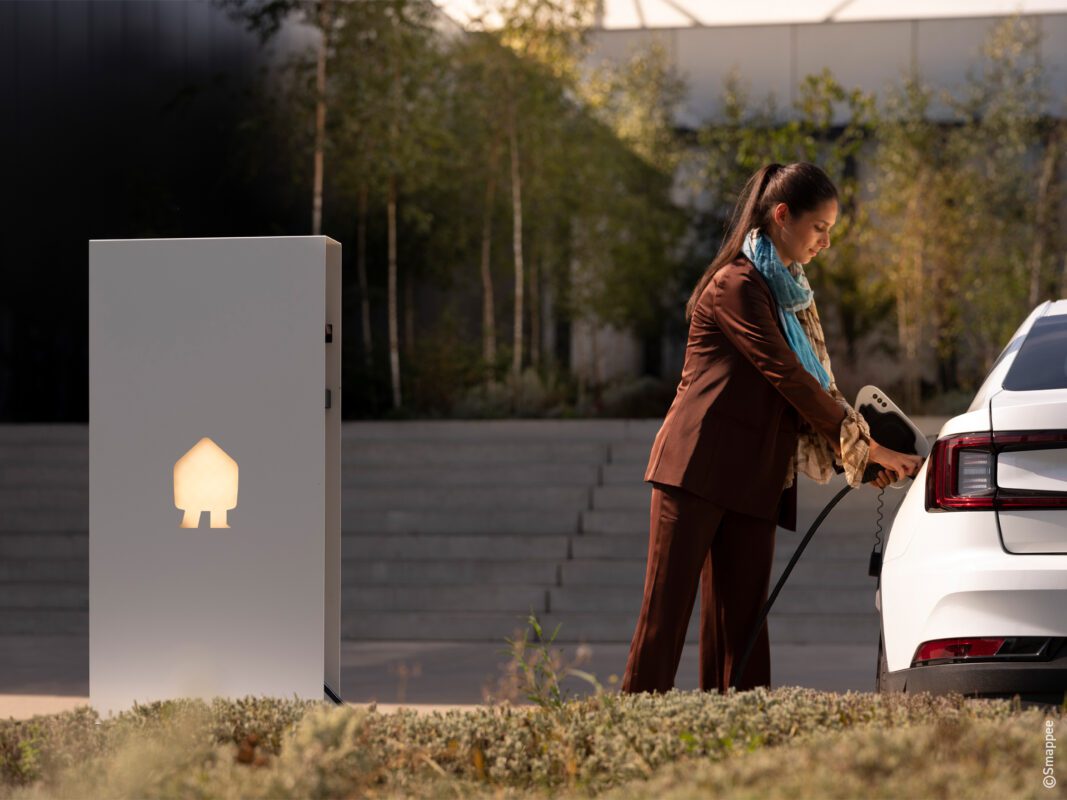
(733, 423)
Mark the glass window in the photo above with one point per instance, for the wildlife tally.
(1042, 360)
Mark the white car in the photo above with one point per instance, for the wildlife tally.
(973, 587)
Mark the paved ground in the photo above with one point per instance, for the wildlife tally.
(46, 674)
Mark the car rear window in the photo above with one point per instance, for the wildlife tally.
(1042, 360)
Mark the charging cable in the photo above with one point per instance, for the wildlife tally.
(781, 582)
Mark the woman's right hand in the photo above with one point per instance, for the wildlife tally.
(896, 464)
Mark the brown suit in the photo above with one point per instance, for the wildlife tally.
(717, 467)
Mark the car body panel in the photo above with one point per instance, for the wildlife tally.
(983, 573)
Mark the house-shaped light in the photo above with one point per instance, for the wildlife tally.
(205, 479)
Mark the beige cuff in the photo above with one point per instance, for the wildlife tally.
(855, 446)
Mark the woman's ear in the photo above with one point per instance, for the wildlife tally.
(781, 214)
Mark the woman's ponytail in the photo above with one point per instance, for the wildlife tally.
(801, 186)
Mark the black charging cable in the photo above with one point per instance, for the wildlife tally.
(737, 673)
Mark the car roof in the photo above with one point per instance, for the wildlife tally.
(1055, 308)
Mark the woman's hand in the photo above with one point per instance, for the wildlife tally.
(895, 464)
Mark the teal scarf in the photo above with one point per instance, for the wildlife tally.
(792, 295)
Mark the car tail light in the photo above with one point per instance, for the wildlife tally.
(1003, 648)
(962, 472)
(953, 649)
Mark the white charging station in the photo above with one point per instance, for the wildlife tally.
(214, 469)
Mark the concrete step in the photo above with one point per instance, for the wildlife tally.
(636, 494)
(462, 452)
(491, 547)
(359, 476)
(810, 572)
(794, 599)
(491, 626)
(462, 521)
(629, 474)
(34, 594)
(371, 599)
(473, 498)
(43, 622)
(630, 496)
(603, 430)
(632, 452)
(14, 475)
(615, 546)
(784, 628)
(634, 521)
(45, 519)
(425, 572)
(45, 569)
(40, 498)
(77, 432)
(44, 545)
(45, 455)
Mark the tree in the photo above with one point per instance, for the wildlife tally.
(266, 18)
(391, 84)
(542, 43)
(750, 135)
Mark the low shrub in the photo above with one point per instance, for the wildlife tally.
(280, 748)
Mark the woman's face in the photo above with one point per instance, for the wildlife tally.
(801, 237)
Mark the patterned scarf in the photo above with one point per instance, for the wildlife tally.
(815, 457)
(793, 294)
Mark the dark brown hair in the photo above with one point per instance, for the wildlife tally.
(801, 186)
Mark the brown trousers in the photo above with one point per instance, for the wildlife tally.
(731, 553)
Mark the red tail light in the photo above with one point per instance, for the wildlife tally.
(962, 472)
(951, 649)
(944, 487)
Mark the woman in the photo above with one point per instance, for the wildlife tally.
(756, 402)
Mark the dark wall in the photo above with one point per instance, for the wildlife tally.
(119, 120)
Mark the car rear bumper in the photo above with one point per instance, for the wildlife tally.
(1034, 681)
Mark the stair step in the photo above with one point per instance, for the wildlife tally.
(453, 572)
(44, 544)
(597, 430)
(73, 570)
(42, 498)
(43, 622)
(45, 519)
(491, 626)
(822, 545)
(14, 475)
(364, 599)
(839, 521)
(633, 452)
(850, 572)
(33, 594)
(459, 498)
(494, 547)
(461, 452)
(794, 599)
(360, 476)
(462, 521)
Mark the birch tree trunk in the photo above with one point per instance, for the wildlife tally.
(516, 209)
(535, 307)
(320, 118)
(409, 311)
(1037, 244)
(488, 311)
(394, 339)
(361, 274)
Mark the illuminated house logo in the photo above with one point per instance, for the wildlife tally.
(205, 479)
